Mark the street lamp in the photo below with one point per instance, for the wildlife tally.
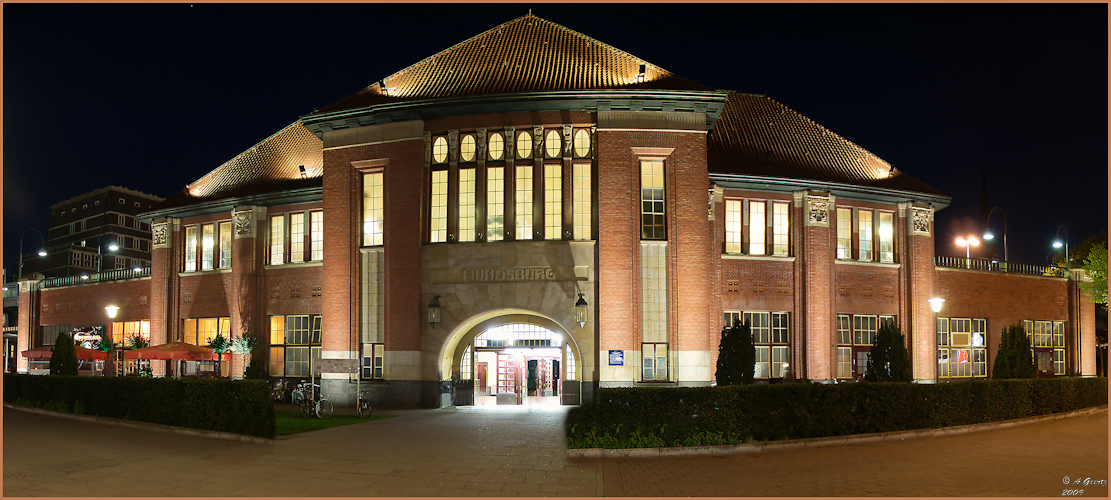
(580, 311)
(935, 304)
(112, 247)
(112, 310)
(42, 250)
(989, 236)
(1057, 243)
(434, 311)
(968, 243)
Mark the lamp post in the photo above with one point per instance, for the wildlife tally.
(935, 304)
(1057, 243)
(968, 243)
(988, 234)
(42, 250)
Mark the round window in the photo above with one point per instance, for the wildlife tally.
(524, 144)
(496, 146)
(467, 148)
(439, 150)
(552, 143)
(582, 143)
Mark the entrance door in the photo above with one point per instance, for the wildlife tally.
(507, 374)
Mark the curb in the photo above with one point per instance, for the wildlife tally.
(675, 451)
(231, 436)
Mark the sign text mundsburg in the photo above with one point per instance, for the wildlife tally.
(487, 274)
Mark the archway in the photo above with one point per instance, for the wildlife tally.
(513, 357)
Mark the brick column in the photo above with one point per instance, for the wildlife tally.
(27, 320)
(817, 252)
(164, 288)
(247, 317)
(1082, 326)
(921, 337)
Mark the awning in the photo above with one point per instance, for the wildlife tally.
(82, 353)
(175, 351)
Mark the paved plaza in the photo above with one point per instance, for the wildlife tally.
(519, 451)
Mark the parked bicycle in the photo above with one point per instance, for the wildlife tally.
(319, 406)
(362, 407)
(303, 391)
(277, 390)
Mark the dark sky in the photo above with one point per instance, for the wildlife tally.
(152, 97)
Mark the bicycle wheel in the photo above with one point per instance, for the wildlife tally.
(364, 409)
(324, 408)
(306, 408)
(296, 397)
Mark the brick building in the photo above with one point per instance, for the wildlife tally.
(533, 213)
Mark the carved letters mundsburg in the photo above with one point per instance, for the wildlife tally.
(488, 274)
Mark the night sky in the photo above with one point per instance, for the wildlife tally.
(152, 97)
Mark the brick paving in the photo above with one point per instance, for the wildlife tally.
(519, 451)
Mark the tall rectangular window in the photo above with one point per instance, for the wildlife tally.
(652, 225)
(297, 237)
(654, 362)
(757, 227)
(438, 221)
(581, 201)
(225, 244)
(317, 234)
(864, 329)
(373, 213)
(373, 362)
(864, 230)
(201, 331)
(553, 201)
(467, 222)
(495, 203)
(887, 237)
(524, 202)
(190, 248)
(781, 228)
(733, 226)
(208, 246)
(844, 233)
(277, 240)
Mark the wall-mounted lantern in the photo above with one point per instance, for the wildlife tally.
(112, 310)
(580, 311)
(434, 312)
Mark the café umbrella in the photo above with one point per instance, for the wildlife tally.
(82, 353)
(176, 351)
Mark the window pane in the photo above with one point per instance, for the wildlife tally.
(780, 229)
(652, 199)
(732, 226)
(190, 248)
(439, 150)
(495, 203)
(864, 230)
(225, 245)
(277, 240)
(438, 221)
(553, 144)
(582, 143)
(887, 240)
(524, 144)
(496, 144)
(553, 201)
(467, 221)
(581, 201)
(372, 209)
(208, 246)
(297, 237)
(524, 202)
(467, 148)
(844, 233)
(757, 227)
(317, 235)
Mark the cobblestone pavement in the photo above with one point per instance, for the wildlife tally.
(519, 451)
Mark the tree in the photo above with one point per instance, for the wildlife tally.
(63, 357)
(256, 369)
(219, 345)
(736, 356)
(889, 360)
(1095, 266)
(1015, 358)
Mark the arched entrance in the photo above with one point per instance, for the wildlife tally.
(515, 359)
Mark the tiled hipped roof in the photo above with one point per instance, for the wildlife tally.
(278, 157)
(527, 54)
(758, 136)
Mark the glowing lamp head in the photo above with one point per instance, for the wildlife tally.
(961, 242)
(935, 304)
(112, 310)
(989, 236)
(42, 252)
(1058, 244)
(113, 247)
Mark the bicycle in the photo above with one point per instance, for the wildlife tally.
(277, 390)
(362, 407)
(321, 408)
(302, 391)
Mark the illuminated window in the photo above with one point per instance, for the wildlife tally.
(553, 144)
(844, 233)
(524, 144)
(201, 331)
(524, 202)
(770, 333)
(317, 234)
(733, 226)
(780, 227)
(123, 331)
(373, 212)
(553, 201)
(962, 347)
(439, 150)
(652, 225)
(190, 248)
(654, 362)
(864, 231)
(297, 237)
(864, 329)
(582, 143)
(887, 237)
(570, 372)
(225, 244)
(757, 227)
(465, 365)
(581, 201)
(467, 148)
(292, 338)
(208, 246)
(438, 221)
(496, 143)
(467, 221)
(495, 203)
(277, 240)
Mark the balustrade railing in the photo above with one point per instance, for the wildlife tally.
(999, 266)
(103, 276)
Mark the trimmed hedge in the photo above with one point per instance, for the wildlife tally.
(238, 406)
(691, 416)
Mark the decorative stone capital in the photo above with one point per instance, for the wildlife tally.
(714, 195)
(567, 139)
(480, 144)
(246, 221)
(160, 234)
(920, 221)
(538, 142)
(427, 149)
(817, 210)
(453, 146)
